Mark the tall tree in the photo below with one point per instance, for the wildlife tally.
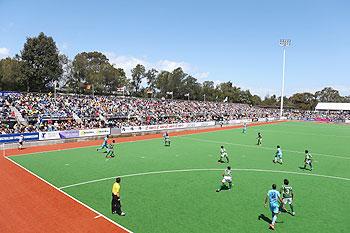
(208, 89)
(305, 101)
(151, 76)
(41, 65)
(137, 74)
(93, 68)
(328, 94)
(11, 77)
(192, 87)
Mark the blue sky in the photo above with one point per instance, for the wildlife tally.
(213, 40)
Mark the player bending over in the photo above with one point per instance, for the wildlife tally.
(20, 142)
(278, 156)
(104, 144)
(166, 139)
(287, 195)
(274, 198)
(308, 160)
(110, 150)
(227, 177)
(244, 127)
(223, 155)
(259, 139)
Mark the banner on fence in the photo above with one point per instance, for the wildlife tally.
(94, 132)
(147, 128)
(73, 133)
(10, 138)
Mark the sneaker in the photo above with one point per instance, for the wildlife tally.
(293, 213)
(122, 214)
(218, 190)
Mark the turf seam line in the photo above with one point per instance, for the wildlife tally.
(69, 196)
(204, 169)
(262, 147)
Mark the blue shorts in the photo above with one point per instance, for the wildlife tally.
(274, 208)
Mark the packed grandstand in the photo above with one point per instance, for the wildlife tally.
(32, 112)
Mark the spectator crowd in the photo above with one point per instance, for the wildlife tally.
(45, 112)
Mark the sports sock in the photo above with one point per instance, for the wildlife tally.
(291, 207)
(274, 218)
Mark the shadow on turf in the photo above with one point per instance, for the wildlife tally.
(267, 219)
(302, 168)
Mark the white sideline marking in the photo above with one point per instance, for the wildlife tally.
(97, 216)
(262, 147)
(73, 198)
(205, 169)
(300, 133)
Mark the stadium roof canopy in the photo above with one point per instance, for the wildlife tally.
(333, 106)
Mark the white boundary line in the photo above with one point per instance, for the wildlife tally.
(205, 169)
(73, 198)
(76, 148)
(265, 148)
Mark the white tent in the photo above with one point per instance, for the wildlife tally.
(333, 106)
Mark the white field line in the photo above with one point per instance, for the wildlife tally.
(73, 198)
(262, 147)
(77, 148)
(205, 169)
(300, 133)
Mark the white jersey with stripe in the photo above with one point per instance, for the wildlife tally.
(228, 172)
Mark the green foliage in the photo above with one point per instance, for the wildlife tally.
(11, 77)
(93, 68)
(137, 74)
(305, 101)
(41, 65)
(328, 94)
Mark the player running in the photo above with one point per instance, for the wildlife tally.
(259, 139)
(287, 195)
(274, 198)
(278, 156)
(227, 177)
(223, 155)
(166, 139)
(104, 144)
(20, 142)
(110, 150)
(244, 127)
(308, 160)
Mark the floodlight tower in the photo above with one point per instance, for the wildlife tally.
(284, 43)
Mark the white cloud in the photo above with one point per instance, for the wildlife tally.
(172, 65)
(4, 52)
(129, 62)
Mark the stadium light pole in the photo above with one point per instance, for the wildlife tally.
(284, 43)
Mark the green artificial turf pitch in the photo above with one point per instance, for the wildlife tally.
(186, 201)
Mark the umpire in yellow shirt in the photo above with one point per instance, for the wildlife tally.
(116, 206)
